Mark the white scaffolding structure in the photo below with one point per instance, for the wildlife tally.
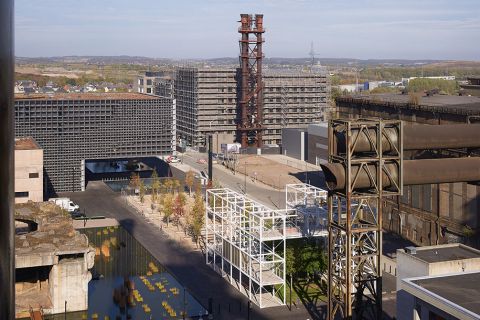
(245, 242)
(310, 204)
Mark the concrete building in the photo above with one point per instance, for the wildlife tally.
(472, 88)
(295, 143)
(317, 143)
(436, 282)
(145, 83)
(426, 214)
(449, 297)
(28, 171)
(52, 261)
(73, 128)
(207, 102)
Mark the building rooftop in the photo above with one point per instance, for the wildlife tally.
(444, 253)
(27, 143)
(87, 96)
(460, 289)
(437, 103)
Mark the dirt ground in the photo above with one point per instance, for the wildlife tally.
(269, 172)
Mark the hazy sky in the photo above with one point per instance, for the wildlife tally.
(409, 29)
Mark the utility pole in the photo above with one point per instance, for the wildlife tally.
(245, 181)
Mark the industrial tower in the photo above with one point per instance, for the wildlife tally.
(250, 112)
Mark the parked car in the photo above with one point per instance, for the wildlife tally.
(173, 159)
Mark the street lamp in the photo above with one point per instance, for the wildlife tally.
(245, 181)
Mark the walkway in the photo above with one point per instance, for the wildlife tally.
(186, 264)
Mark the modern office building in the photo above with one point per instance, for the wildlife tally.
(28, 171)
(73, 128)
(435, 213)
(207, 102)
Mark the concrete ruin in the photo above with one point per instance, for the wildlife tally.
(52, 261)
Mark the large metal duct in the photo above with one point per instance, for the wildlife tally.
(7, 257)
(416, 137)
(415, 172)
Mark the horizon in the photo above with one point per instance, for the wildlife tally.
(365, 29)
(236, 57)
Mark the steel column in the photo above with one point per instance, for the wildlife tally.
(250, 112)
(355, 221)
(7, 246)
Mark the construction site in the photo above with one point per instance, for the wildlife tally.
(247, 104)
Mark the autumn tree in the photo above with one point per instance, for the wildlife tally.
(141, 190)
(167, 207)
(190, 180)
(155, 185)
(178, 207)
(134, 181)
(197, 217)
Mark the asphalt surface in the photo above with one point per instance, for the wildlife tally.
(186, 265)
(258, 191)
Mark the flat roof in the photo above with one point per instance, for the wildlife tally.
(461, 289)
(27, 143)
(87, 96)
(446, 253)
(438, 103)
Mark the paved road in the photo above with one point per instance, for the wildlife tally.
(258, 191)
(188, 266)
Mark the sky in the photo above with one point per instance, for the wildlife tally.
(187, 29)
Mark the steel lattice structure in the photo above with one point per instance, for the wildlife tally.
(245, 242)
(355, 215)
(250, 116)
(311, 208)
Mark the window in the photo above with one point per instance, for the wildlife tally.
(32, 175)
(22, 194)
(149, 82)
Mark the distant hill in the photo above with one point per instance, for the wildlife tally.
(99, 60)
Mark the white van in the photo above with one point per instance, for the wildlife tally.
(65, 203)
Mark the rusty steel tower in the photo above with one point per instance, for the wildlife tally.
(250, 111)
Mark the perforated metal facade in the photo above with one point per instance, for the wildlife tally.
(72, 128)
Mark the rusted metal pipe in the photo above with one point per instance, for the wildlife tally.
(417, 137)
(415, 172)
(7, 246)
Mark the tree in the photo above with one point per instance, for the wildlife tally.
(168, 185)
(176, 185)
(142, 190)
(178, 208)
(155, 184)
(134, 181)
(168, 207)
(190, 180)
(197, 219)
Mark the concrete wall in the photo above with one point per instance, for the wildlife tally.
(317, 143)
(29, 164)
(294, 143)
(69, 282)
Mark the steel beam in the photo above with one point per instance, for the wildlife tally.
(7, 246)
(416, 137)
(416, 172)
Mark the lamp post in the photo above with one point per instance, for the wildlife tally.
(245, 181)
